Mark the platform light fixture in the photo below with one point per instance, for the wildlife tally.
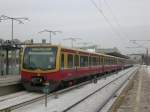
(17, 19)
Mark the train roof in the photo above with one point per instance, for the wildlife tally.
(80, 50)
(73, 49)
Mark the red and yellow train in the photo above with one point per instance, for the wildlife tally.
(42, 64)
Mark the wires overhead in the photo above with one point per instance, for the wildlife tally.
(107, 20)
(115, 18)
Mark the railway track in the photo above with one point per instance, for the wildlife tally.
(124, 83)
(14, 95)
(69, 109)
(39, 97)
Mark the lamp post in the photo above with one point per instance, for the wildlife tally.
(72, 40)
(46, 90)
(19, 20)
(146, 53)
(141, 46)
(50, 33)
(12, 19)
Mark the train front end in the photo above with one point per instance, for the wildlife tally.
(40, 65)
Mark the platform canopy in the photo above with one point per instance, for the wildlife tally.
(9, 45)
(112, 51)
(8, 57)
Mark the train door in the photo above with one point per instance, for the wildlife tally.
(77, 65)
(76, 61)
(101, 64)
(70, 66)
(63, 65)
(62, 61)
(84, 65)
(105, 63)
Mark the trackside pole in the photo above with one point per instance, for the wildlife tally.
(46, 100)
(46, 91)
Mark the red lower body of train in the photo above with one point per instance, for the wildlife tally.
(34, 82)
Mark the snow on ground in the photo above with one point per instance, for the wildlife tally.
(67, 99)
(98, 100)
(13, 95)
(17, 100)
(148, 69)
(9, 80)
(112, 100)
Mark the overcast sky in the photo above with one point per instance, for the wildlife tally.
(79, 18)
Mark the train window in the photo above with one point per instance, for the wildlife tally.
(97, 60)
(94, 61)
(101, 60)
(84, 61)
(90, 58)
(90, 61)
(70, 61)
(114, 60)
(62, 61)
(110, 61)
(107, 60)
(43, 58)
(76, 60)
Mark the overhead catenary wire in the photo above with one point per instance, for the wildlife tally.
(115, 18)
(106, 19)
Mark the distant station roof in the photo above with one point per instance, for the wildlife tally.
(109, 51)
(9, 45)
(118, 55)
(139, 54)
(112, 51)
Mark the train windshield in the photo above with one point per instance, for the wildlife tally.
(43, 58)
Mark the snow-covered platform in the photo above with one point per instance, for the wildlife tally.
(9, 80)
(9, 84)
(138, 97)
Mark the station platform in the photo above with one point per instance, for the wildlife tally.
(137, 98)
(10, 84)
(9, 80)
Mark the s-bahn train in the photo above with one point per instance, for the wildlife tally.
(55, 65)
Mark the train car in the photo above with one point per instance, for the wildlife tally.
(42, 64)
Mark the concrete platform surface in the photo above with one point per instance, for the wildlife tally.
(10, 84)
(7, 80)
(138, 97)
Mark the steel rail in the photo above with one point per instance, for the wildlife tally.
(83, 99)
(124, 82)
(3, 98)
(9, 109)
